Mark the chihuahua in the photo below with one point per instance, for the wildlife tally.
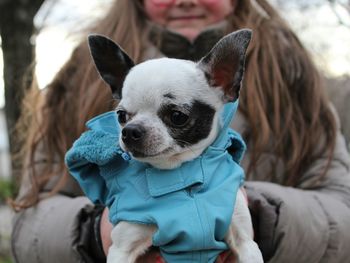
(169, 114)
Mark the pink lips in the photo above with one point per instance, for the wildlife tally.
(186, 17)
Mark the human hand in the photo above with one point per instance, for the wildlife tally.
(264, 212)
(226, 257)
(105, 230)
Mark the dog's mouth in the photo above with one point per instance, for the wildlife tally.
(143, 155)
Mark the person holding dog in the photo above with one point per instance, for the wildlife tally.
(296, 164)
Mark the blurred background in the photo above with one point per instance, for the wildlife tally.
(37, 37)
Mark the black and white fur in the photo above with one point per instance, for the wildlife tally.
(169, 113)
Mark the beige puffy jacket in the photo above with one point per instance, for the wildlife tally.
(306, 224)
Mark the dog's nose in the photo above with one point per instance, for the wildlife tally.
(133, 133)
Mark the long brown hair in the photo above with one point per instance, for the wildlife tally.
(282, 98)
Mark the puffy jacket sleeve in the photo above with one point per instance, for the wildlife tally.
(50, 231)
(58, 228)
(309, 223)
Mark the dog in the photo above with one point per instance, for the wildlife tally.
(169, 114)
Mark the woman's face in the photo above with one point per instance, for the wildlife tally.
(188, 17)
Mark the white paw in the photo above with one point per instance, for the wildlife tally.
(116, 256)
(250, 253)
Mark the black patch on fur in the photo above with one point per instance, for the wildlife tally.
(169, 96)
(197, 128)
(111, 61)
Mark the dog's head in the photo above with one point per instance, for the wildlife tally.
(169, 109)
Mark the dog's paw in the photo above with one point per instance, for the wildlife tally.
(250, 253)
(116, 255)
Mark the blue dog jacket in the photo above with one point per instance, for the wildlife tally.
(192, 205)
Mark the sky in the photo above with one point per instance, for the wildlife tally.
(61, 25)
(60, 21)
(319, 29)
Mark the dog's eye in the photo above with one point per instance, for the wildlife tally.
(178, 118)
(122, 116)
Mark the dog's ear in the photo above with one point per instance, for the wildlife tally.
(224, 64)
(111, 62)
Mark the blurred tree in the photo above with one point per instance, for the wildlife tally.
(345, 5)
(17, 31)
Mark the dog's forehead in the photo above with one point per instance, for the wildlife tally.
(160, 78)
(166, 66)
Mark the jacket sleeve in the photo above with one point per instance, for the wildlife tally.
(49, 232)
(60, 228)
(309, 223)
(91, 151)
